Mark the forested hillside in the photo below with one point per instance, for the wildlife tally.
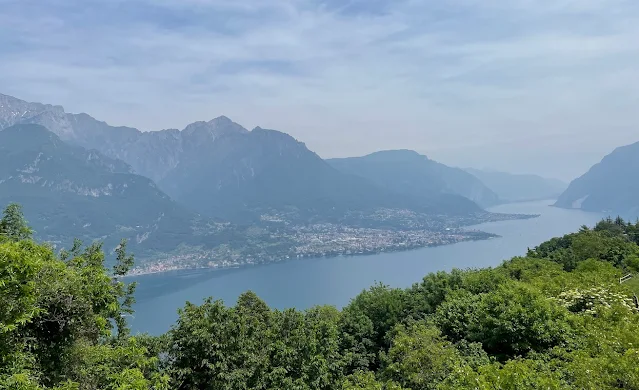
(558, 318)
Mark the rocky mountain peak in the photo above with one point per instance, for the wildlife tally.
(14, 111)
(399, 155)
(213, 128)
(221, 121)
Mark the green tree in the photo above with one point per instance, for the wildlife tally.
(515, 374)
(305, 350)
(13, 226)
(20, 263)
(123, 365)
(423, 298)
(57, 312)
(558, 318)
(365, 380)
(511, 321)
(79, 300)
(419, 357)
(198, 347)
(367, 320)
(458, 314)
(216, 347)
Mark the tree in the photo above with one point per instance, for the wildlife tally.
(419, 357)
(124, 365)
(306, 350)
(357, 340)
(457, 314)
(365, 380)
(511, 321)
(367, 320)
(556, 319)
(13, 226)
(57, 316)
(200, 355)
(20, 262)
(424, 297)
(78, 301)
(125, 291)
(515, 374)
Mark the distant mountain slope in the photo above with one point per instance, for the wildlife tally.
(416, 175)
(220, 169)
(14, 111)
(516, 188)
(610, 186)
(264, 170)
(152, 154)
(69, 192)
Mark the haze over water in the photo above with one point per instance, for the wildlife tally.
(334, 281)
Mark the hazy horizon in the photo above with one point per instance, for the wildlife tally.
(542, 87)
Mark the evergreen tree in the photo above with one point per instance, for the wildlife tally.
(13, 226)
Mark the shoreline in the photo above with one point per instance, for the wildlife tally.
(489, 236)
(480, 236)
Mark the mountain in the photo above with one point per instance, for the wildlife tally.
(220, 169)
(416, 175)
(14, 111)
(610, 186)
(517, 188)
(70, 192)
(265, 170)
(152, 154)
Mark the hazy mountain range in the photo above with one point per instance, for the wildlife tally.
(611, 186)
(220, 169)
(416, 175)
(216, 186)
(519, 187)
(69, 192)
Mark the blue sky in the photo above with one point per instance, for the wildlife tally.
(535, 86)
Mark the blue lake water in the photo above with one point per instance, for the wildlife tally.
(308, 282)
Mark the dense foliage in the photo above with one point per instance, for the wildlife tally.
(558, 318)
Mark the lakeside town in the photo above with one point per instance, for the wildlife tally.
(320, 240)
(279, 239)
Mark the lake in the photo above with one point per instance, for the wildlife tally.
(308, 282)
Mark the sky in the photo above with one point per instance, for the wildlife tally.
(525, 86)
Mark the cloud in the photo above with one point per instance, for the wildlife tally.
(466, 81)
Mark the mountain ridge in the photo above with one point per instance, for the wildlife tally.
(416, 175)
(68, 192)
(150, 153)
(261, 162)
(65, 185)
(215, 195)
(611, 185)
(519, 187)
(218, 166)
